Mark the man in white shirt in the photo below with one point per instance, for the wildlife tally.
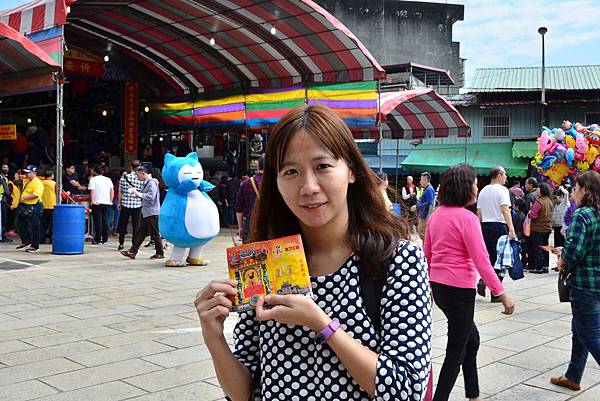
(493, 209)
(102, 193)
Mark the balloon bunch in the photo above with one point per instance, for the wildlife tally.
(567, 151)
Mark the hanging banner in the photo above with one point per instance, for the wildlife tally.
(8, 132)
(130, 118)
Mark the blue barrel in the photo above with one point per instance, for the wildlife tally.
(396, 208)
(68, 229)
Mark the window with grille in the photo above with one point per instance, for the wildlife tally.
(592, 118)
(496, 126)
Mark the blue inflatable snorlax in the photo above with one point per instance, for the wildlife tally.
(188, 217)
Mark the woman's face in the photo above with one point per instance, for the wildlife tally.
(578, 194)
(314, 184)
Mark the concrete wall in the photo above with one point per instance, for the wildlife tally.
(397, 32)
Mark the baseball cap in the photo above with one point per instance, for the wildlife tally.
(30, 169)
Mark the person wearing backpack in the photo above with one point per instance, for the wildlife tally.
(326, 346)
(456, 255)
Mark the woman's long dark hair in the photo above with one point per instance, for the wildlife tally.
(373, 232)
(589, 182)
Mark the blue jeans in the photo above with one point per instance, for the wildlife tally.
(585, 326)
(113, 216)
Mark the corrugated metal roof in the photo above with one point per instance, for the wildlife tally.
(580, 77)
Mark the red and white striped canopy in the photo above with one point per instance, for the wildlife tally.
(420, 113)
(204, 45)
(36, 16)
(23, 65)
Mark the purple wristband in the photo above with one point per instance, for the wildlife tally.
(327, 332)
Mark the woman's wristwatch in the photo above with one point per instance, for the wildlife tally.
(327, 332)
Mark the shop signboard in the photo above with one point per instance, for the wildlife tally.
(8, 132)
(130, 117)
(83, 63)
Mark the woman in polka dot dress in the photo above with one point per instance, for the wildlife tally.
(325, 347)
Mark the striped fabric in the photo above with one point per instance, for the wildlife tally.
(420, 113)
(36, 16)
(256, 44)
(207, 112)
(355, 102)
(265, 107)
(21, 58)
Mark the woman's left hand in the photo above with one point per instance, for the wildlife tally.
(292, 309)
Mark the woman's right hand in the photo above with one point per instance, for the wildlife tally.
(507, 302)
(213, 306)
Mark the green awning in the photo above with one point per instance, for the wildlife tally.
(526, 149)
(482, 156)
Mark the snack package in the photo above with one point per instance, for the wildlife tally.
(277, 266)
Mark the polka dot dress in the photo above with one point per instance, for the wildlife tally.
(287, 364)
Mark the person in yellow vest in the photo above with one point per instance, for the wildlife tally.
(29, 211)
(49, 201)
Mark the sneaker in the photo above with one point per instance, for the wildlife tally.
(120, 247)
(32, 250)
(157, 256)
(23, 245)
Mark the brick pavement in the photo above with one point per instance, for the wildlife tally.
(101, 327)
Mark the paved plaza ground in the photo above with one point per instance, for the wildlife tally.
(99, 326)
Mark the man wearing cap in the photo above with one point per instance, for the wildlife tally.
(29, 211)
(102, 194)
(150, 197)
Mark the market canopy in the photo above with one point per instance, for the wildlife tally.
(438, 158)
(23, 65)
(420, 113)
(199, 45)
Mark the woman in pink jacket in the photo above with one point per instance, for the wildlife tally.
(456, 255)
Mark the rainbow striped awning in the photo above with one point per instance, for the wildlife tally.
(355, 103)
(206, 112)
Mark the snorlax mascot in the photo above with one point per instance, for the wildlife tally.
(188, 217)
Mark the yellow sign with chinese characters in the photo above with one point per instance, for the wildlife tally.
(8, 132)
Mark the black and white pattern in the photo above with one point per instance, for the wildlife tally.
(293, 367)
(128, 200)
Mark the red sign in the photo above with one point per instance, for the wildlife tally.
(84, 68)
(130, 117)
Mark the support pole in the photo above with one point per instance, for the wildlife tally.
(59, 119)
(397, 161)
(380, 127)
